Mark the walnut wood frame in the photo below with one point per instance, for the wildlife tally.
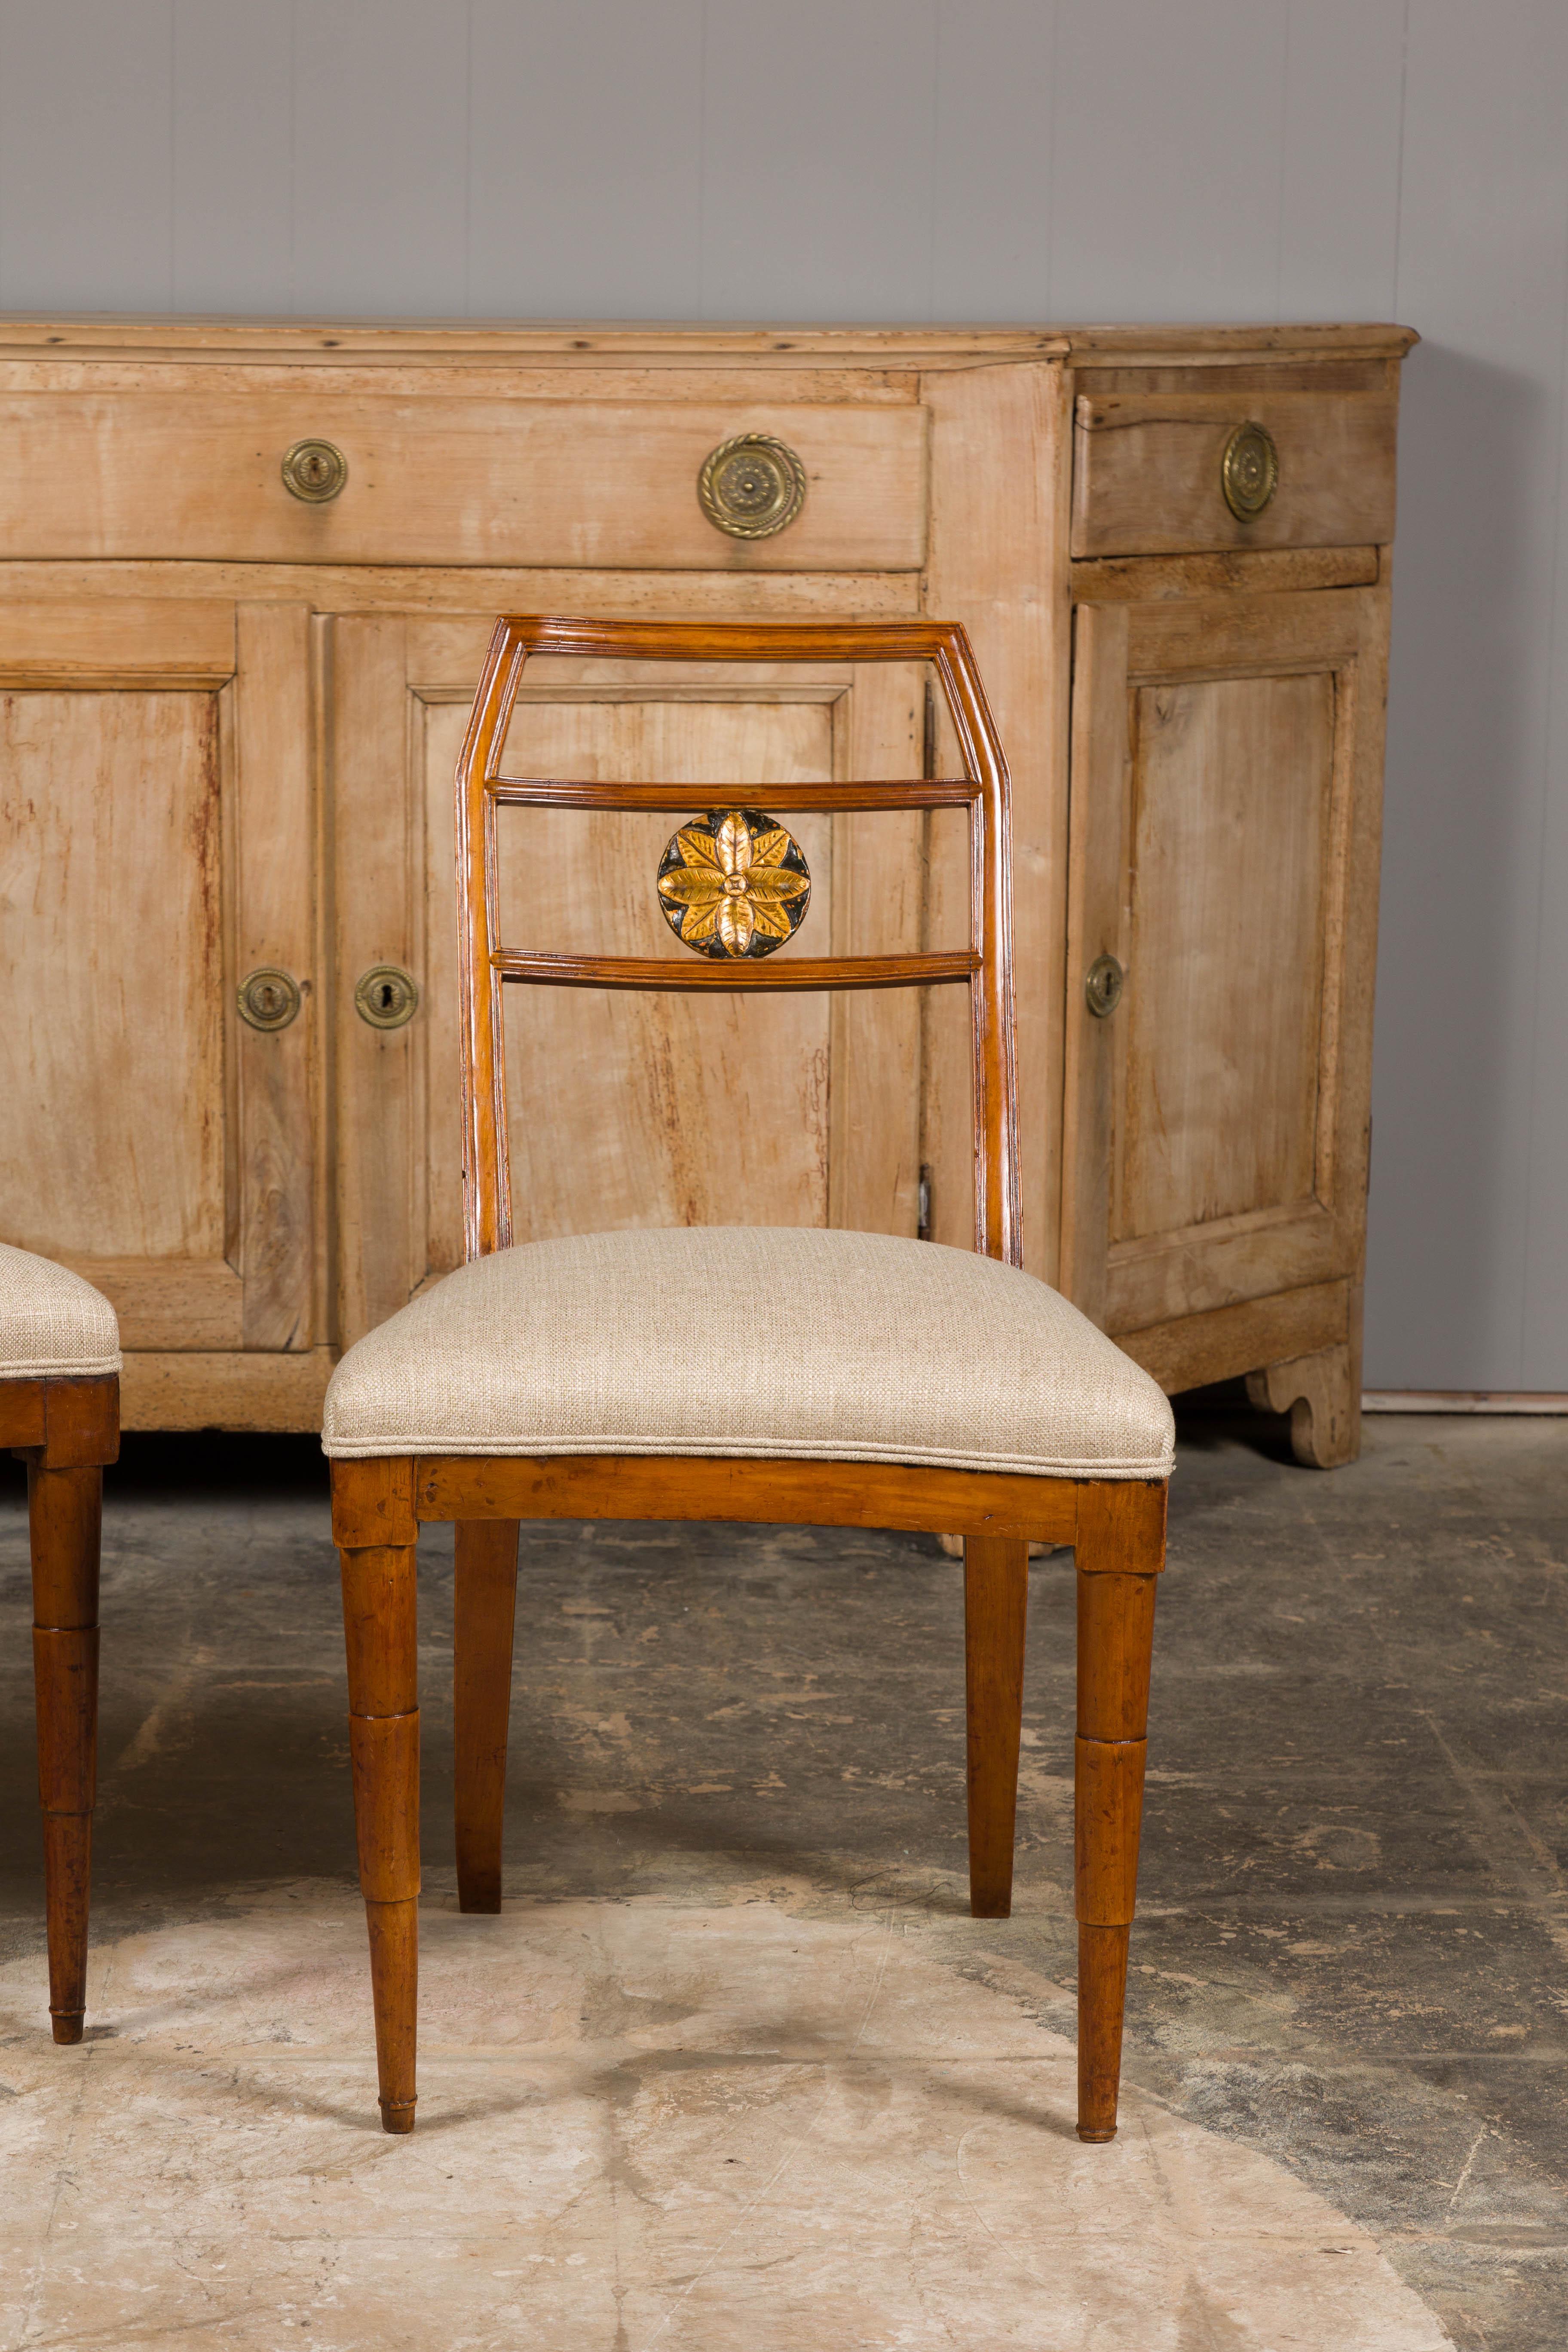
(65, 1431)
(1116, 1528)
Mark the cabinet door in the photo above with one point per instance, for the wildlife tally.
(625, 1110)
(155, 848)
(1224, 841)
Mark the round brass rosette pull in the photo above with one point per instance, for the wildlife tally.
(386, 996)
(314, 471)
(268, 999)
(1249, 471)
(751, 487)
(733, 883)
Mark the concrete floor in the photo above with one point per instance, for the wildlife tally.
(734, 2067)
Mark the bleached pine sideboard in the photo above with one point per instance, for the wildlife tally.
(248, 571)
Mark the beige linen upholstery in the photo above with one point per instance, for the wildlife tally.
(827, 1346)
(52, 1323)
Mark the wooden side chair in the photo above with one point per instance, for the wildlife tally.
(621, 1376)
(59, 1409)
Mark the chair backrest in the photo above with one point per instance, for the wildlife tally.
(485, 965)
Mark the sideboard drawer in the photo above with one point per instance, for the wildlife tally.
(1151, 472)
(448, 481)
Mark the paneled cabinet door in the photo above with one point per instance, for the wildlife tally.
(643, 1109)
(1223, 870)
(156, 849)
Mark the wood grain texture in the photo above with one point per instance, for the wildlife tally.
(68, 635)
(484, 1603)
(1230, 783)
(111, 1065)
(65, 1509)
(1196, 1349)
(377, 1104)
(1119, 1550)
(381, 1631)
(275, 885)
(168, 1302)
(878, 913)
(1321, 1393)
(185, 476)
(1000, 485)
(1226, 751)
(655, 1110)
(195, 1389)
(1269, 572)
(795, 1493)
(1098, 853)
(996, 1605)
(1147, 471)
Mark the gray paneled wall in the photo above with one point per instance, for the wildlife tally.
(979, 160)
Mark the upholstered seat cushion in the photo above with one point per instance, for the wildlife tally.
(749, 1340)
(51, 1321)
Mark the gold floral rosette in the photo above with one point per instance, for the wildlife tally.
(733, 883)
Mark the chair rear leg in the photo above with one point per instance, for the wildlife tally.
(379, 1625)
(65, 1513)
(1121, 1548)
(996, 1604)
(484, 1605)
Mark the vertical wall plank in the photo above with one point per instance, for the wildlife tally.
(1165, 188)
(85, 200)
(817, 159)
(1459, 1235)
(233, 63)
(586, 160)
(381, 129)
(991, 248)
(1338, 209)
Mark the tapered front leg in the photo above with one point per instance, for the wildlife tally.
(65, 1515)
(1121, 1548)
(384, 1741)
(996, 1605)
(484, 1606)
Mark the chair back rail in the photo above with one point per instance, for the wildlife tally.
(486, 965)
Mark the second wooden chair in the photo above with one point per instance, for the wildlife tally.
(59, 1409)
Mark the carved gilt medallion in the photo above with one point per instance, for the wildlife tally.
(733, 883)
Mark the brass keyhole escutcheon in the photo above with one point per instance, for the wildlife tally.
(386, 996)
(1249, 471)
(268, 999)
(751, 487)
(315, 471)
(1102, 985)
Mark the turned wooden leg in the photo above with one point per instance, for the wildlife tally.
(383, 1744)
(1121, 1548)
(995, 1603)
(64, 1514)
(1321, 1393)
(485, 1601)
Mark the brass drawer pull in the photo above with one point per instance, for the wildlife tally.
(1102, 985)
(314, 471)
(1249, 471)
(751, 487)
(386, 996)
(268, 999)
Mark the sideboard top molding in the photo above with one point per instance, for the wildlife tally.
(458, 342)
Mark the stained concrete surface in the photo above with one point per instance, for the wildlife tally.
(734, 2065)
